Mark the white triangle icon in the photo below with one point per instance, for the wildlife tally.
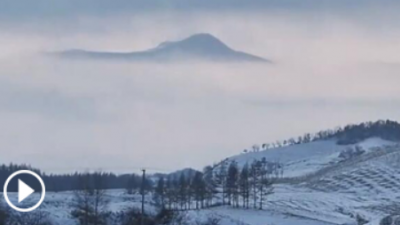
(23, 191)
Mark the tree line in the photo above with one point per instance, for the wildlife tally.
(66, 182)
(349, 134)
(226, 184)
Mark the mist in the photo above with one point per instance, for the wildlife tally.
(63, 115)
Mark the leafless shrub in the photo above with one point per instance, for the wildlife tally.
(351, 152)
(211, 220)
(31, 218)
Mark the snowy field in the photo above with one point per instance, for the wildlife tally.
(58, 205)
(319, 189)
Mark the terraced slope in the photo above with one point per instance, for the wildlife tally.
(321, 186)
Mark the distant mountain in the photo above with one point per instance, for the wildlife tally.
(199, 47)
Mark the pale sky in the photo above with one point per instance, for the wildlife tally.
(335, 62)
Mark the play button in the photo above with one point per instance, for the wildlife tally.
(28, 184)
(23, 191)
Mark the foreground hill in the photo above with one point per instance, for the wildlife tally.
(311, 152)
(199, 47)
(335, 177)
(366, 185)
(303, 159)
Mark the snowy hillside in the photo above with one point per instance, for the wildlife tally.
(320, 185)
(319, 188)
(340, 177)
(303, 159)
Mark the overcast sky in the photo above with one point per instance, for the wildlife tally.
(335, 62)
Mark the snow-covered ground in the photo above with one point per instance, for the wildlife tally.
(302, 159)
(59, 205)
(230, 216)
(320, 189)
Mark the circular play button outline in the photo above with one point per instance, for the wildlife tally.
(6, 193)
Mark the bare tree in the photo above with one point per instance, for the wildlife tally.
(254, 180)
(269, 173)
(90, 202)
(265, 146)
(244, 185)
(220, 178)
(132, 185)
(256, 148)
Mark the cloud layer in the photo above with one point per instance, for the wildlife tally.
(332, 68)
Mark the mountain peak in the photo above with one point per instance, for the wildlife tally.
(196, 44)
(204, 37)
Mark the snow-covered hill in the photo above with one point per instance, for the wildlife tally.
(319, 187)
(303, 159)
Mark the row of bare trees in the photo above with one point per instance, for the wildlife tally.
(349, 134)
(183, 193)
(249, 185)
(227, 184)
